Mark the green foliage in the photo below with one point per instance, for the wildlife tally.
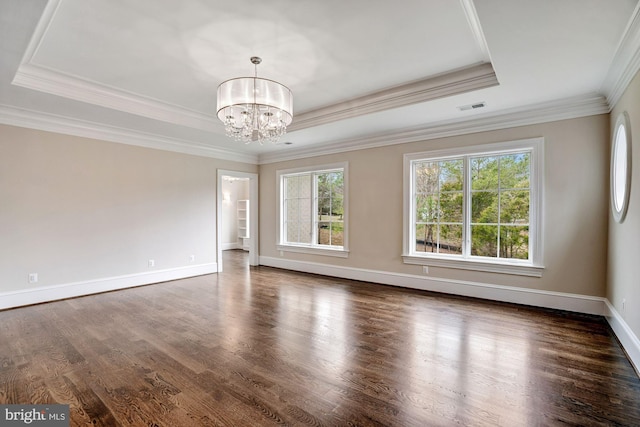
(500, 197)
(500, 206)
(439, 199)
(331, 194)
(330, 187)
(484, 240)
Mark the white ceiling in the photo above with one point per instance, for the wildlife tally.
(363, 72)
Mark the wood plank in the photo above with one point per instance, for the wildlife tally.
(261, 346)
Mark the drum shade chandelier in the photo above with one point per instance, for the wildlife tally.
(254, 109)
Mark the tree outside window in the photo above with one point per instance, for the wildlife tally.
(438, 203)
(330, 208)
(500, 193)
(312, 208)
(473, 206)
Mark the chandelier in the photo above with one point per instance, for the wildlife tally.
(254, 109)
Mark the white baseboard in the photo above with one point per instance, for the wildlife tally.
(548, 299)
(51, 293)
(627, 338)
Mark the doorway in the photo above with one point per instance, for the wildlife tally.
(237, 214)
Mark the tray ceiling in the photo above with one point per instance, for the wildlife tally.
(146, 72)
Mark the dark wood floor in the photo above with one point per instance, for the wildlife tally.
(260, 346)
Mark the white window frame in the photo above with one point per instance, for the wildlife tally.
(531, 267)
(620, 180)
(312, 248)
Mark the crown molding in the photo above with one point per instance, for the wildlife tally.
(626, 61)
(623, 68)
(42, 79)
(455, 82)
(33, 76)
(54, 82)
(476, 28)
(13, 116)
(563, 109)
(538, 113)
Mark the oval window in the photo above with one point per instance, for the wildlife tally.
(620, 167)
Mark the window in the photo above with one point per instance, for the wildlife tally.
(620, 167)
(475, 208)
(312, 210)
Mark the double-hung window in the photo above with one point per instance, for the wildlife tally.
(476, 208)
(312, 214)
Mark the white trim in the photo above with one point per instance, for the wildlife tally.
(13, 116)
(476, 265)
(623, 122)
(626, 61)
(20, 298)
(627, 338)
(475, 77)
(532, 266)
(313, 250)
(534, 297)
(39, 78)
(476, 28)
(41, 29)
(253, 215)
(33, 76)
(623, 67)
(314, 168)
(489, 148)
(557, 110)
(563, 109)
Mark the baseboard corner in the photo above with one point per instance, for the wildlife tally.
(628, 339)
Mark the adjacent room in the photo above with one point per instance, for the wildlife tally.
(364, 213)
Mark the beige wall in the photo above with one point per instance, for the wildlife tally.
(575, 206)
(624, 239)
(75, 209)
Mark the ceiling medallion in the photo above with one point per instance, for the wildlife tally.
(254, 109)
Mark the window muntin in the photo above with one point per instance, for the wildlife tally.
(298, 194)
(476, 204)
(438, 206)
(312, 209)
(329, 219)
(500, 203)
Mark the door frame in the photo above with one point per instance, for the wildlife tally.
(253, 215)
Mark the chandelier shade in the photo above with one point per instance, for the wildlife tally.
(252, 108)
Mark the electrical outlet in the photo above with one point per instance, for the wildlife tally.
(281, 253)
(152, 263)
(425, 269)
(33, 277)
(192, 258)
(624, 304)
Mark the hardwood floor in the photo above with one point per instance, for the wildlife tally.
(260, 346)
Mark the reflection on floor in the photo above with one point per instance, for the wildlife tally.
(262, 346)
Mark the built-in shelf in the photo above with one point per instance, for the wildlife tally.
(243, 219)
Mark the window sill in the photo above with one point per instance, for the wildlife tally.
(476, 265)
(340, 253)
